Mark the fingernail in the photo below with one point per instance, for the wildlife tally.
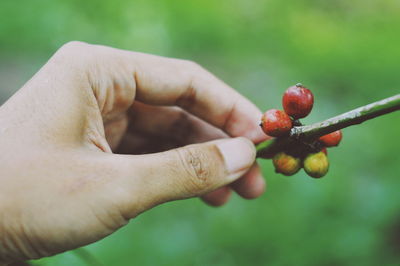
(239, 154)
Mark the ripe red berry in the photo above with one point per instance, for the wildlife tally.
(276, 123)
(298, 101)
(331, 139)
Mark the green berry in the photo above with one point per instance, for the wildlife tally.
(316, 164)
(286, 164)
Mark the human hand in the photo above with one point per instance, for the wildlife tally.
(95, 138)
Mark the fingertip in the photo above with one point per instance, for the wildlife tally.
(217, 197)
(257, 135)
(255, 132)
(244, 121)
(239, 155)
(252, 185)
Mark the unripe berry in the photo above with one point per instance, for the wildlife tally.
(286, 164)
(276, 123)
(331, 139)
(316, 164)
(298, 101)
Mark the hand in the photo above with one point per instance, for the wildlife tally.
(61, 185)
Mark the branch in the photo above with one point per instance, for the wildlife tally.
(302, 136)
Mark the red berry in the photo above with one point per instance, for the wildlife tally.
(276, 123)
(331, 139)
(298, 101)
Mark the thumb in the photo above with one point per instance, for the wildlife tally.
(188, 171)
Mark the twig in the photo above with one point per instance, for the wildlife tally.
(305, 135)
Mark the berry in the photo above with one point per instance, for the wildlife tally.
(298, 101)
(276, 123)
(286, 164)
(331, 139)
(316, 164)
(324, 150)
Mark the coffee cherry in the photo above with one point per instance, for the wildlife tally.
(286, 164)
(331, 139)
(316, 164)
(276, 123)
(298, 101)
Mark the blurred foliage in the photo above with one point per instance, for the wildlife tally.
(347, 52)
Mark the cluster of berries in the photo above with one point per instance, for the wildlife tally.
(297, 103)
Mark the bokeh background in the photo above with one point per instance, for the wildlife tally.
(347, 52)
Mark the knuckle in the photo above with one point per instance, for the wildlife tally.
(191, 67)
(195, 68)
(78, 57)
(76, 52)
(188, 98)
(189, 63)
(74, 55)
(73, 45)
(197, 74)
(200, 169)
(192, 64)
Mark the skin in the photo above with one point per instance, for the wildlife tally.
(100, 135)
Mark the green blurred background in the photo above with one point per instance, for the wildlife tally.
(347, 52)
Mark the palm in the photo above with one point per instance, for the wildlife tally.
(148, 129)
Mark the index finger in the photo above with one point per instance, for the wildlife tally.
(117, 76)
(166, 81)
